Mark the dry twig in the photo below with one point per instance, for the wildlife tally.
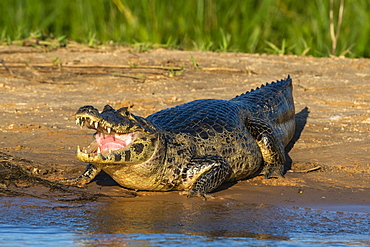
(335, 35)
(306, 170)
(6, 67)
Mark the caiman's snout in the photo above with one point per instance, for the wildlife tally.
(87, 110)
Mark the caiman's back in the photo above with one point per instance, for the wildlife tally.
(272, 102)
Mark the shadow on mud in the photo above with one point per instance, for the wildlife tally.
(301, 121)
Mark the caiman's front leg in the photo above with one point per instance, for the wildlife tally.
(89, 174)
(204, 174)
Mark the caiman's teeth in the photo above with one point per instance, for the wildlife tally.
(80, 121)
(99, 150)
(78, 149)
(96, 125)
(91, 122)
(110, 151)
(109, 130)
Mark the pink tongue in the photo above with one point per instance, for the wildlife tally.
(112, 142)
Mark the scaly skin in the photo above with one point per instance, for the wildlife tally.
(194, 147)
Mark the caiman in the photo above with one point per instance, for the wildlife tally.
(194, 147)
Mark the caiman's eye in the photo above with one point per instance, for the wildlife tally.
(124, 112)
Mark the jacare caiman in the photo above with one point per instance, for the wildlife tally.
(194, 147)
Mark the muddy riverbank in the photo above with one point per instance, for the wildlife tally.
(42, 89)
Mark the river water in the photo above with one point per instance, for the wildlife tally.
(130, 222)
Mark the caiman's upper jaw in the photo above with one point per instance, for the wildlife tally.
(95, 123)
(119, 121)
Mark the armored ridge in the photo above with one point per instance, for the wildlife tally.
(193, 147)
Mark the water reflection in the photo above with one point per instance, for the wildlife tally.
(209, 219)
(144, 221)
(226, 219)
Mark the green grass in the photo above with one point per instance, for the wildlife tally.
(253, 26)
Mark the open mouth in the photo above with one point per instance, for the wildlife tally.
(106, 139)
(112, 142)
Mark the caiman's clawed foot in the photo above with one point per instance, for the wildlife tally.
(85, 178)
